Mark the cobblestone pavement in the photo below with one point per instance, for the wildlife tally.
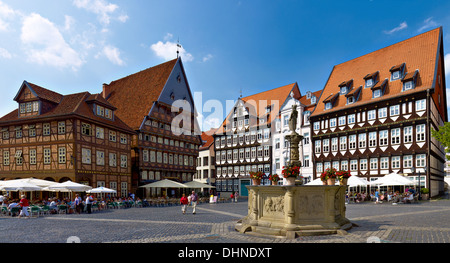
(424, 222)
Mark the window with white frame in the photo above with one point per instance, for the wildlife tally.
(395, 136)
(363, 164)
(306, 161)
(123, 161)
(371, 115)
(344, 165)
(85, 155)
(46, 129)
(421, 160)
(61, 127)
(62, 155)
(316, 125)
(373, 163)
(407, 85)
(352, 142)
(319, 168)
(145, 155)
(420, 133)
(382, 113)
(372, 139)
(317, 146)
(369, 82)
(100, 157)
(326, 145)
(407, 161)
(421, 105)
(395, 162)
(333, 122)
(47, 156)
(384, 138)
(335, 165)
(353, 165)
(5, 157)
(407, 134)
(86, 129)
(112, 136)
(394, 110)
(328, 105)
(112, 159)
(351, 118)
(362, 140)
(384, 162)
(343, 143)
(334, 144)
(341, 120)
(32, 156)
(376, 93)
(395, 75)
(99, 133)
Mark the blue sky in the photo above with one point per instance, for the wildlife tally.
(228, 45)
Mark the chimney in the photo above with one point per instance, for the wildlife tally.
(105, 93)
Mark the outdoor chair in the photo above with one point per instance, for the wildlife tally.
(62, 209)
(34, 210)
(14, 211)
(4, 210)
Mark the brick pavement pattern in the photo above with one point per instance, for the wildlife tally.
(423, 222)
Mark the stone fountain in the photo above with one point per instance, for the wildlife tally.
(298, 210)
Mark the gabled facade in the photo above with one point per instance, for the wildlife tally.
(376, 111)
(150, 102)
(244, 141)
(58, 137)
(206, 161)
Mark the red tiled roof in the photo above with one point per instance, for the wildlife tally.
(417, 53)
(134, 95)
(207, 139)
(279, 95)
(72, 104)
(42, 93)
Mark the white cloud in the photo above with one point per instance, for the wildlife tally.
(102, 9)
(113, 55)
(6, 14)
(402, 26)
(69, 22)
(5, 54)
(168, 50)
(207, 57)
(428, 23)
(45, 44)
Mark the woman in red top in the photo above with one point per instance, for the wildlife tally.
(184, 202)
(24, 204)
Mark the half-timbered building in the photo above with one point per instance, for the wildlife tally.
(58, 137)
(244, 141)
(158, 105)
(376, 111)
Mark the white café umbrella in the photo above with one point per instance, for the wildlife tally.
(166, 183)
(19, 185)
(38, 182)
(316, 181)
(195, 184)
(101, 190)
(68, 186)
(393, 179)
(357, 181)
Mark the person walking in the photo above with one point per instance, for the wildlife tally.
(377, 197)
(236, 195)
(194, 198)
(89, 201)
(24, 204)
(184, 202)
(77, 203)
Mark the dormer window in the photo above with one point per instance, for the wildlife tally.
(329, 101)
(308, 95)
(328, 105)
(378, 89)
(313, 99)
(397, 71)
(369, 82)
(345, 87)
(350, 100)
(409, 80)
(100, 111)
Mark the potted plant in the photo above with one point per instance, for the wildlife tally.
(343, 176)
(425, 192)
(330, 175)
(256, 177)
(291, 172)
(274, 178)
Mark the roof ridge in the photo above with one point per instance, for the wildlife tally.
(133, 74)
(269, 90)
(388, 46)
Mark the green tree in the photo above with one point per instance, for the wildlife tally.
(443, 136)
